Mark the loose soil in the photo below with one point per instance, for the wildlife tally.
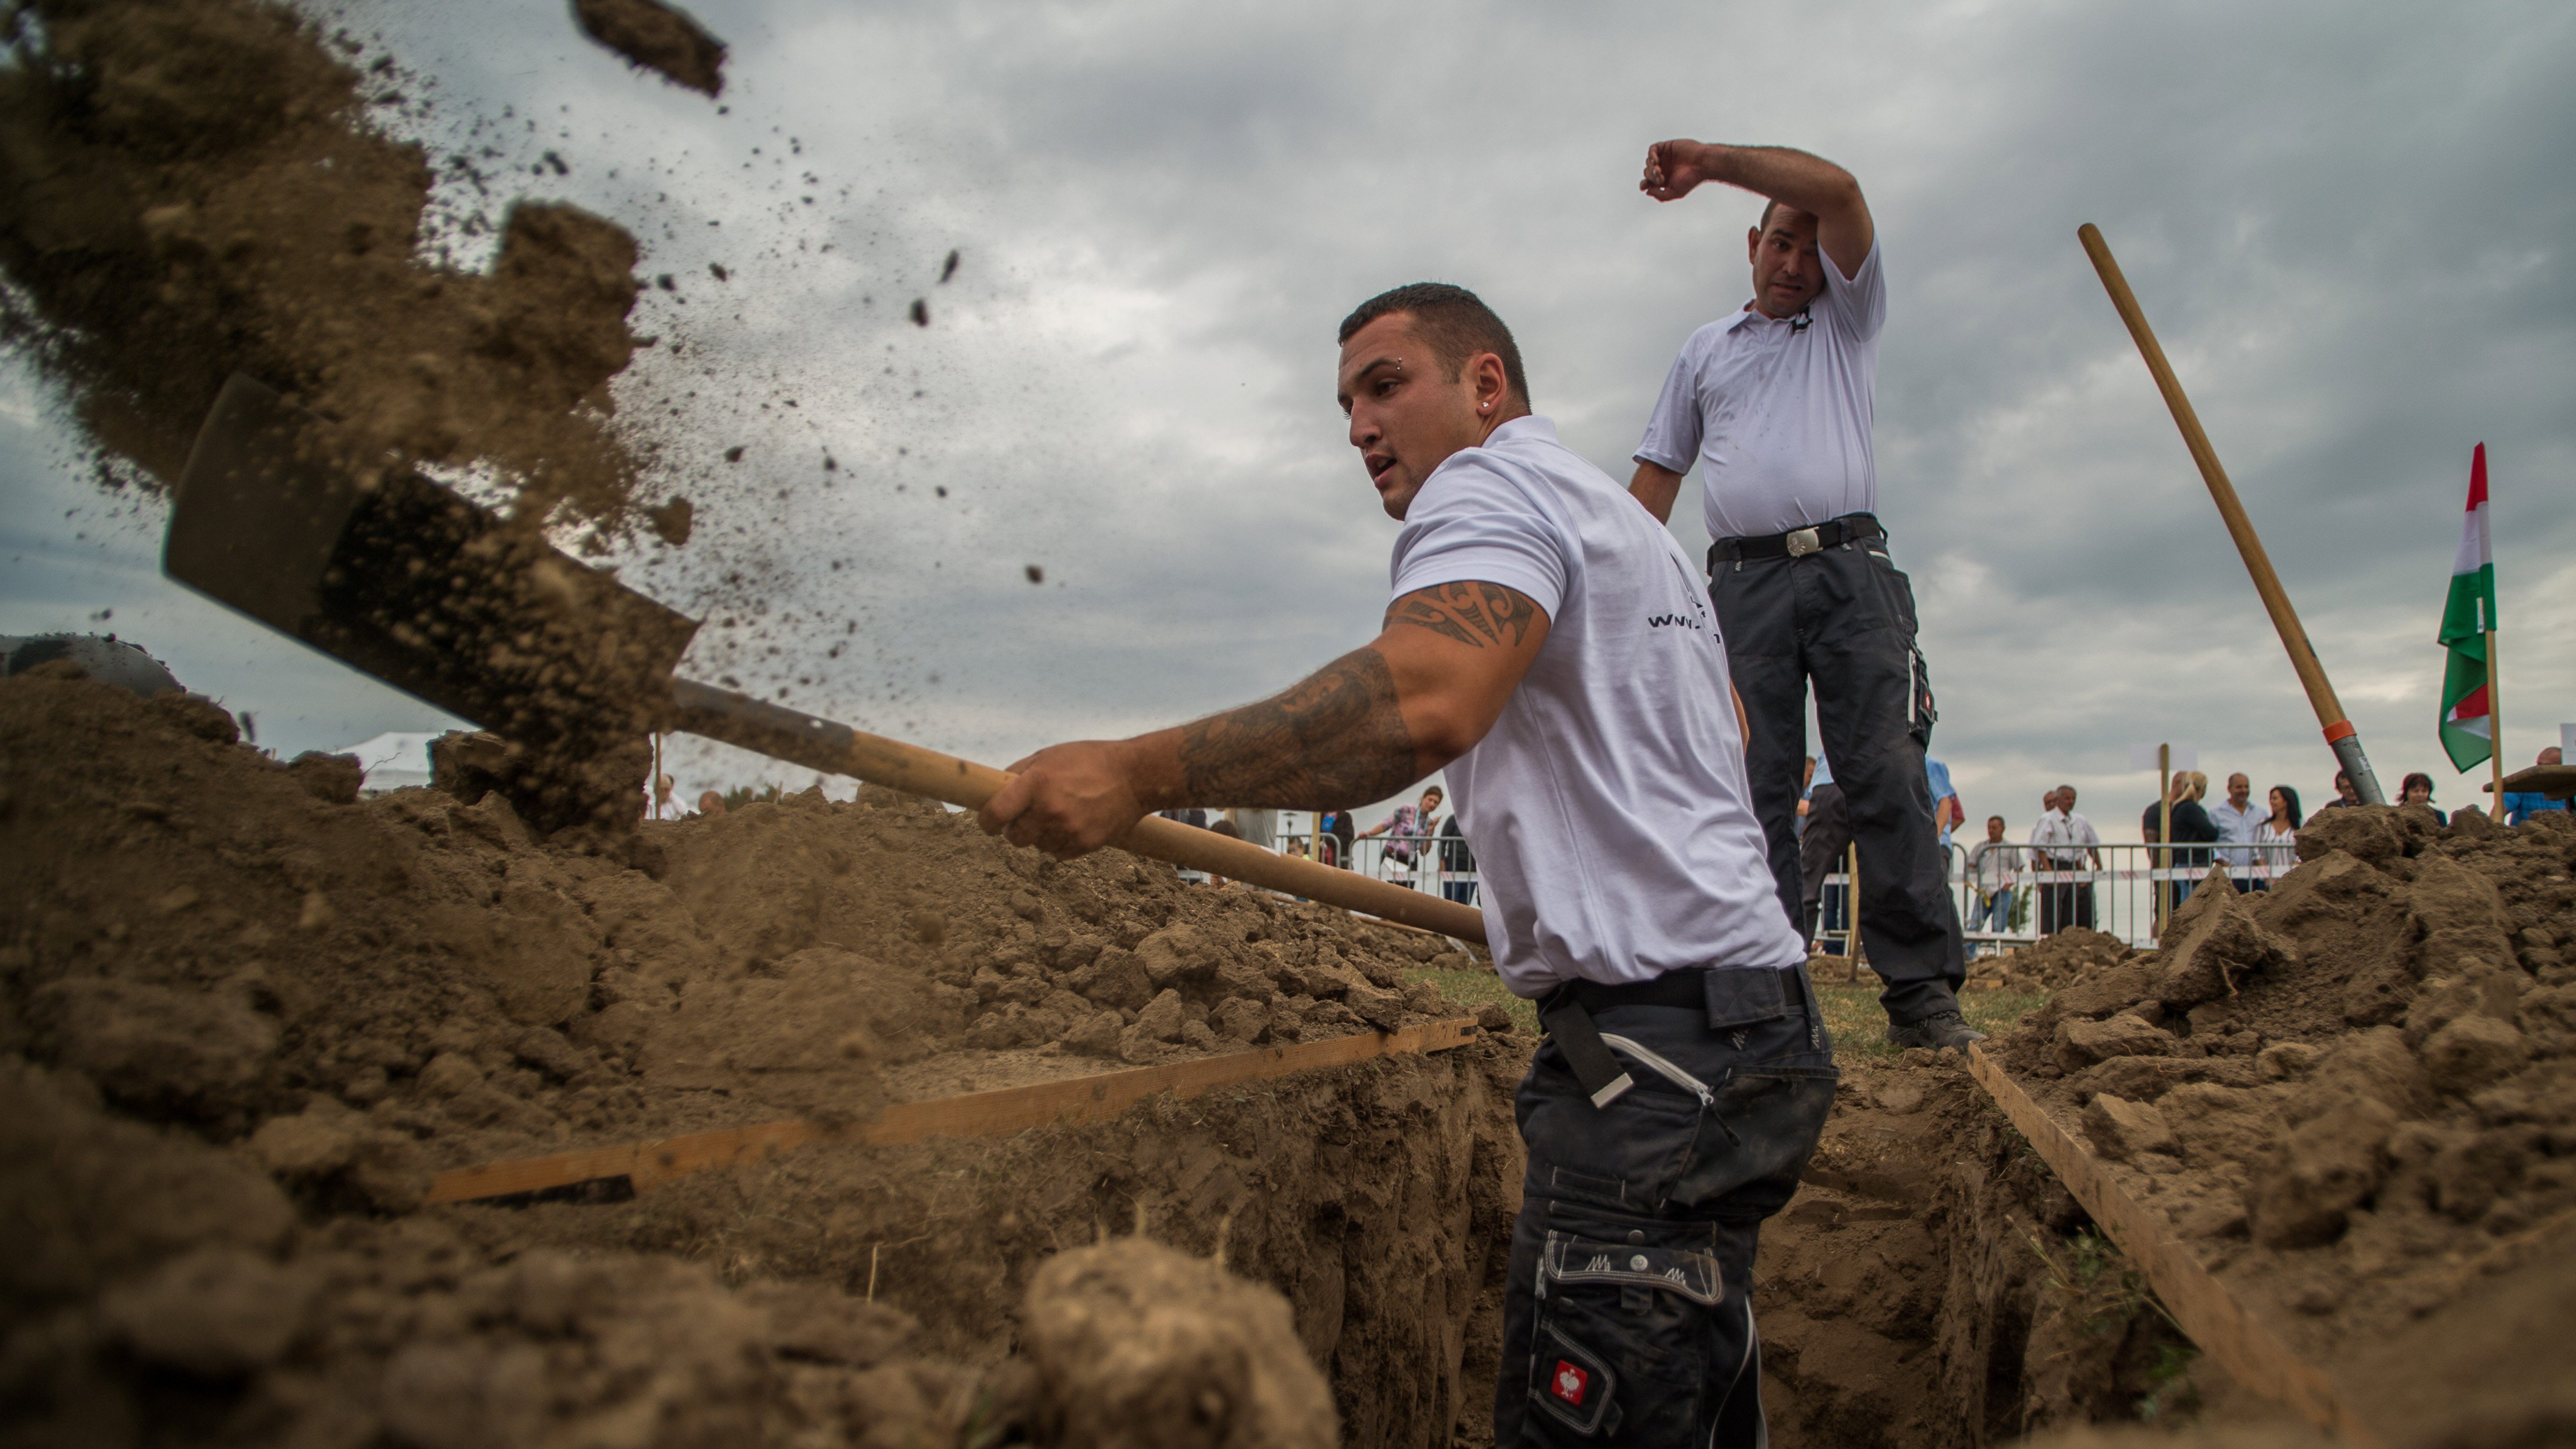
(2353, 1095)
(247, 1015)
(656, 37)
(190, 188)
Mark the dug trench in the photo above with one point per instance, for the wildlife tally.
(248, 1014)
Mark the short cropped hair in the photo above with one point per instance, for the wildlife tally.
(1455, 322)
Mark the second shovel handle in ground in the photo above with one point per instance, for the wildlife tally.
(820, 744)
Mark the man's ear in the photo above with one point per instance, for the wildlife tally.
(1493, 384)
(1752, 243)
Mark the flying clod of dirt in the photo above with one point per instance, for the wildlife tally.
(656, 37)
(188, 189)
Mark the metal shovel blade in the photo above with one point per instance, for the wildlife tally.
(400, 578)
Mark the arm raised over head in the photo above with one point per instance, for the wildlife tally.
(1791, 177)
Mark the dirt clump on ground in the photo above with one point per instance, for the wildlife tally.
(245, 1017)
(2354, 1095)
(190, 188)
(656, 37)
(2050, 964)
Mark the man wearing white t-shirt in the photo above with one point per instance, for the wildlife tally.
(1773, 404)
(1552, 648)
(2240, 824)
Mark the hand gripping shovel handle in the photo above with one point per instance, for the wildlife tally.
(836, 749)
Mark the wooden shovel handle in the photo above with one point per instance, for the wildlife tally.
(786, 734)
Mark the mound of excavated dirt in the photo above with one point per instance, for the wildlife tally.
(2053, 962)
(188, 189)
(244, 1016)
(2355, 1094)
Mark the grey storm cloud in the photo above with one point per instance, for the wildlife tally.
(2350, 225)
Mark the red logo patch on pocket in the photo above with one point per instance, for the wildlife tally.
(1568, 1383)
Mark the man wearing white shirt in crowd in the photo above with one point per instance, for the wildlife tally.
(2062, 840)
(1992, 865)
(2240, 824)
(1549, 645)
(1773, 404)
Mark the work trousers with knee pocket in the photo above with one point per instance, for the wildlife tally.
(1628, 1319)
(1844, 617)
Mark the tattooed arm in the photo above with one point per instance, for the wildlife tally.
(1359, 729)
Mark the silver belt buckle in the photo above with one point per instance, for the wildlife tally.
(1803, 542)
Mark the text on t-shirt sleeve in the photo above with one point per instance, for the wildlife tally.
(1856, 306)
(1470, 525)
(1672, 434)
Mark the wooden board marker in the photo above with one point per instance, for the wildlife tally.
(2239, 1342)
(1096, 1098)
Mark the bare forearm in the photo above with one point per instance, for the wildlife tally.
(1334, 739)
(1656, 487)
(1781, 173)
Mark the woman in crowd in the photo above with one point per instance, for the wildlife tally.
(2418, 790)
(1409, 827)
(2191, 826)
(2273, 858)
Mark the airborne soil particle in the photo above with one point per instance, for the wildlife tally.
(657, 37)
(190, 188)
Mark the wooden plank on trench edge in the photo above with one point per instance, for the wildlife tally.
(976, 1114)
(2239, 1342)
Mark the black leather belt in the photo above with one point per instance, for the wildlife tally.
(1798, 542)
(1684, 988)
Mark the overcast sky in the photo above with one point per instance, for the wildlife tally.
(2350, 225)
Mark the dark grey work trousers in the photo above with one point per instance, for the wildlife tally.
(1844, 617)
(1627, 1320)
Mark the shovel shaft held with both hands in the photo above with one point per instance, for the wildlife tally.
(404, 580)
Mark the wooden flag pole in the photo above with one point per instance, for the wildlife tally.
(2164, 825)
(2495, 723)
(2340, 734)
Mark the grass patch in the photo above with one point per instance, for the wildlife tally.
(1471, 989)
(1859, 1023)
(1852, 1013)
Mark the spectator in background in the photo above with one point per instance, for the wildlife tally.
(1192, 816)
(1991, 868)
(2238, 818)
(2344, 793)
(2062, 840)
(1409, 827)
(1230, 831)
(664, 807)
(1456, 860)
(1822, 843)
(1806, 782)
(2191, 826)
(1333, 835)
(1947, 813)
(2521, 805)
(710, 803)
(2274, 836)
(2417, 789)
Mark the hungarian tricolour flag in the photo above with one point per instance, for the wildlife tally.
(2468, 727)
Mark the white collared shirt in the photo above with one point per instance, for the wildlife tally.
(2239, 827)
(1608, 807)
(1777, 413)
(2062, 836)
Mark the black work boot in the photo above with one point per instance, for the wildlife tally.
(1940, 1029)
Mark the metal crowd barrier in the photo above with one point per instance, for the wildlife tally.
(1412, 861)
(2117, 897)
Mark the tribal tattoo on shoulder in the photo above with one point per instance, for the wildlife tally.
(1333, 739)
(1475, 614)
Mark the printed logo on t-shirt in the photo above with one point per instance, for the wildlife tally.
(1696, 616)
(1569, 1383)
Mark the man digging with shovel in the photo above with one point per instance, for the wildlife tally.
(1550, 645)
